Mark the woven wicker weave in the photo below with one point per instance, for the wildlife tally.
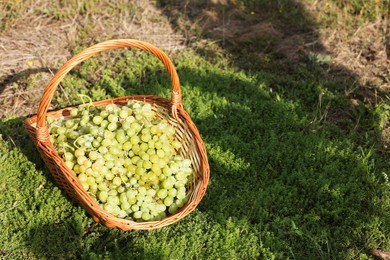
(172, 110)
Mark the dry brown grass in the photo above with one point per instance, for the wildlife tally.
(38, 40)
(362, 51)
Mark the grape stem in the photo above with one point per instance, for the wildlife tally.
(66, 145)
(75, 141)
(120, 176)
(143, 123)
(82, 96)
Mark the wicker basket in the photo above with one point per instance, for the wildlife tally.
(172, 110)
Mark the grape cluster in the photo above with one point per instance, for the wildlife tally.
(125, 157)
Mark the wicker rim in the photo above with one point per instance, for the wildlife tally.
(92, 51)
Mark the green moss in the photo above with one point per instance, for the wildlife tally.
(284, 184)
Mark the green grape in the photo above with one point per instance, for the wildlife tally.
(136, 149)
(144, 147)
(125, 157)
(151, 151)
(180, 202)
(127, 146)
(168, 201)
(121, 161)
(161, 207)
(106, 142)
(97, 120)
(81, 159)
(95, 143)
(147, 164)
(176, 144)
(186, 163)
(134, 140)
(102, 187)
(76, 169)
(114, 150)
(115, 169)
(100, 161)
(130, 119)
(113, 200)
(136, 126)
(85, 186)
(162, 163)
(103, 195)
(69, 164)
(82, 168)
(145, 216)
(109, 176)
(181, 195)
(104, 113)
(103, 150)
(168, 183)
(122, 197)
(90, 180)
(151, 192)
(87, 163)
(121, 213)
(133, 181)
(162, 193)
(154, 158)
(121, 189)
(135, 159)
(142, 190)
(120, 136)
(113, 118)
(144, 178)
(72, 135)
(158, 145)
(112, 126)
(62, 138)
(131, 132)
(85, 118)
(125, 206)
(146, 137)
(116, 181)
(173, 208)
(137, 214)
(93, 155)
(68, 156)
(88, 171)
(112, 192)
(181, 176)
(109, 207)
(172, 192)
(79, 153)
(156, 169)
(144, 156)
(99, 179)
(74, 112)
(69, 123)
(104, 124)
(94, 131)
(126, 125)
(123, 114)
(167, 171)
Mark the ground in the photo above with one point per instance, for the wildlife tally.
(291, 97)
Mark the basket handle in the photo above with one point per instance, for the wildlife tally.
(95, 49)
